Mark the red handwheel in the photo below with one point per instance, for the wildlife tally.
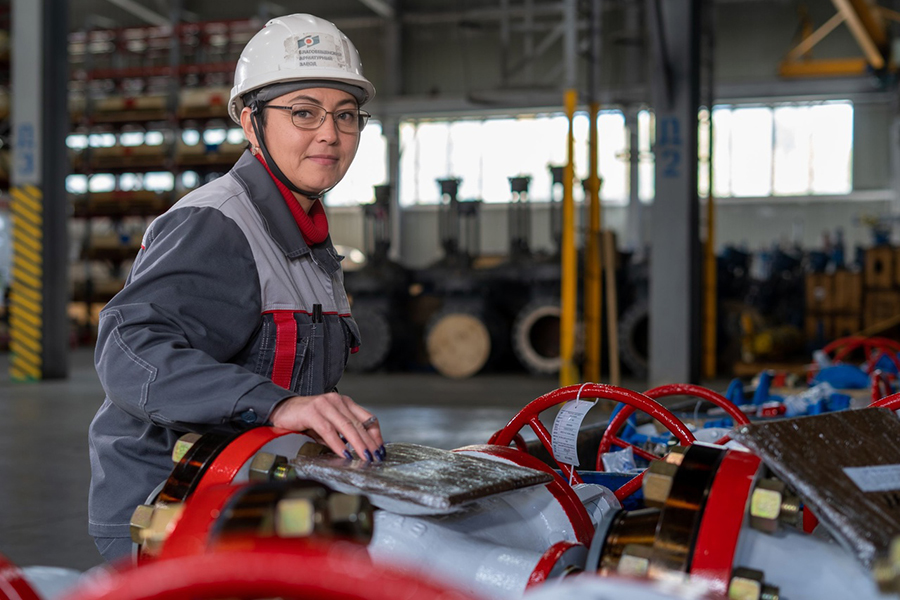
(891, 402)
(13, 585)
(266, 568)
(610, 436)
(873, 348)
(530, 416)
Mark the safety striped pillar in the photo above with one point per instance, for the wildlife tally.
(39, 205)
(27, 292)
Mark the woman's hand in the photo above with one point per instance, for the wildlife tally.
(336, 420)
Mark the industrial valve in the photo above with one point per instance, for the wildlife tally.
(34, 583)
(266, 568)
(216, 514)
(734, 520)
(495, 522)
(474, 517)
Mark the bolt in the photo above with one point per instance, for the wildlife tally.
(312, 449)
(886, 570)
(151, 525)
(746, 584)
(675, 455)
(295, 517)
(183, 444)
(351, 516)
(771, 503)
(635, 560)
(140, 520)
(658, 482)
(791, 510)
(266, 466)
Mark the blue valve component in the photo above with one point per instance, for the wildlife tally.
(844, 377)
(886, 365)
(735, 392)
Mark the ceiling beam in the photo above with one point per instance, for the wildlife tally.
(382, 8)
(867, 27)
(141, 12)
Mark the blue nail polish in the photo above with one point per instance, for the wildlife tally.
(348, 455)
(368, 456)
(383, 451)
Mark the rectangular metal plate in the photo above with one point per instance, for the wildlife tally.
(417, 479)
(840, 464)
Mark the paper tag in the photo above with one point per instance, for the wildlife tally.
(565, 430)
(879, 478)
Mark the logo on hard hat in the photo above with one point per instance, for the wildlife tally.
(310, 40)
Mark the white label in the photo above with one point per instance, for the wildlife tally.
(565, 430)
(880, 478)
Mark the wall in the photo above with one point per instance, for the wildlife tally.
(752, 37)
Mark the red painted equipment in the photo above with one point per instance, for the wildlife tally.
(530, 416)
(13, 585)
(266, 568)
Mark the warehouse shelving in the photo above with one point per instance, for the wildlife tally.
(150, 84)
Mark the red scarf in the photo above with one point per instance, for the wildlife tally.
(314, 225)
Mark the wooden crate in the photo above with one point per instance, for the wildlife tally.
(845, 325)
(819, 328)
(881, 305)
(848, 291)
(879, 271)
(819, 293)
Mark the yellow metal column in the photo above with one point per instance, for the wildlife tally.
(710, 310)
(568, 372)
(26, 293)
(593, 300)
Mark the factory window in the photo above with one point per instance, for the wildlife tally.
(77, 184)
(485, 153)
(131, 138)
(191, 137)
(214, 137)
(793, 149)
(236, 136)
(102, 182)
(368, 169)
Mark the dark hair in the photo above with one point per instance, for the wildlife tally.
(249, 98)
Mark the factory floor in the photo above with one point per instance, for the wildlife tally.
(44, 469)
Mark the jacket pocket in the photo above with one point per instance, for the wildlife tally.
(307, 379)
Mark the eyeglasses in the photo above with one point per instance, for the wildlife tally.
(311, 116)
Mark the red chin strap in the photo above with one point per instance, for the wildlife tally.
(313, 225)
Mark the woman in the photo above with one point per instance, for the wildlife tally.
(234, 313)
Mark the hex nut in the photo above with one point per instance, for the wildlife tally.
(140, 520)
(676, 455)
(266, 466)
(746, 584)
(768, 502)
(351, 515)
(182, 446)
(151, 525)
(295, 517)
(886, 570)
(635, 561)
(313, 449)
(658, 482)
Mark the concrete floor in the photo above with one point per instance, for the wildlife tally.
(44, 469)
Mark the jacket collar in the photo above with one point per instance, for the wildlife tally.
(277, 216)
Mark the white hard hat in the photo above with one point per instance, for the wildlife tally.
(295, 48)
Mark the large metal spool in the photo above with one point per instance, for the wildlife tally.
(461, 340)
(535, 336)
(377, 334)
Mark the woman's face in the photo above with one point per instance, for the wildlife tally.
(316, 159)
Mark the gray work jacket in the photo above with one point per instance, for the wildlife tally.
(213, 328)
